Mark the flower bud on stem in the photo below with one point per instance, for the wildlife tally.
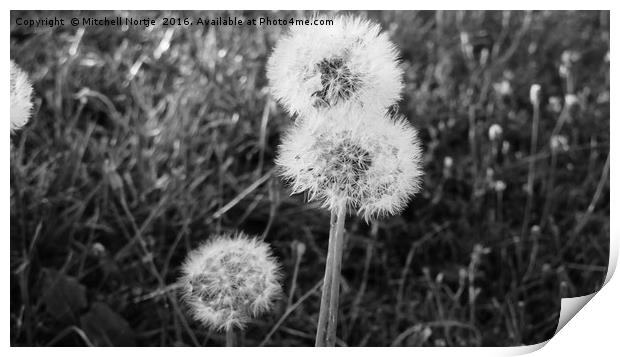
(535, 99)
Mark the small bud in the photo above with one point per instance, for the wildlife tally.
(555, 103)
(490, 173)
(563, 71)
(535, 94)
(559, 143)
(500, 186)
(484, 56)
(479, 249)
(505, 147)
(439, 278)
(571, 100)
(426, 333)
(98, 250)
(462, 273)
(301, 249)
(466, 46)
(448, 162)
(495, 132)
(569, 57)
(503, 88)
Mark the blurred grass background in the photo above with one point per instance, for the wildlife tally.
(146, 141)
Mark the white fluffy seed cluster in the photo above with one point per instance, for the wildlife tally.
(228, 280)
(346, 65)
(372, 164)
(21, 97)
(345, 149)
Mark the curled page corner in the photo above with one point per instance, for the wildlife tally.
(613, 257)
(523, 350)
(569, 307)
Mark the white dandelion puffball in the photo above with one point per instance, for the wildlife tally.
(230, 279)
(21, 97)
(350, 63)
(371, 164)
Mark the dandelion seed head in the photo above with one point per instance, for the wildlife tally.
(21, 97)
(228, 280)
(371, 164)
(349, 64)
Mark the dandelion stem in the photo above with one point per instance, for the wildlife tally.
(473, 148)
(531, 172)
(335, 283)
(295, 273)
(322, 324)
(585, 217)
(328, 314)
(230, 337)
(549, 187)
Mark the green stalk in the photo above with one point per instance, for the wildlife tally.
(328, 314)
